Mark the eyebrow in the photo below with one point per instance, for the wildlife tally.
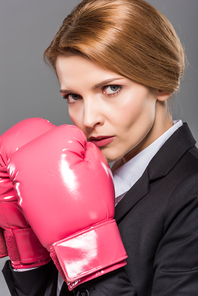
(105, 82)
(98, 85)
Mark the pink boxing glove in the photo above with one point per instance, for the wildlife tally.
(23, 247)
(71, 203)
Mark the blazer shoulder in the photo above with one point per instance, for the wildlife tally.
(194, 152)
(189, 161)
(185, 194)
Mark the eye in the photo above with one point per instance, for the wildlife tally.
(71, 98)
(111, 89)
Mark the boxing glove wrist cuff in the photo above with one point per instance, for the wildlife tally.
(90, 253)
(24, 249)
(3, 249)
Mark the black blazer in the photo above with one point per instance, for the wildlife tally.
(158, 222)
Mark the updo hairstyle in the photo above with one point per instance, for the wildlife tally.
(129, 37)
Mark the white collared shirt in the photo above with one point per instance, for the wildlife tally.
(127, 175)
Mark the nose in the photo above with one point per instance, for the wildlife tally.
(93, 114)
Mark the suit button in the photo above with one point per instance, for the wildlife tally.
(83, 292)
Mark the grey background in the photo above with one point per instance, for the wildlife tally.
(28, 88)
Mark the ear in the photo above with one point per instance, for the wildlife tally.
(162, 96)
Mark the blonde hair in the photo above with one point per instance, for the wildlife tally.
(129, 37)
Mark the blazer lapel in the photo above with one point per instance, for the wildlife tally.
(171, 152)
(161, 164)
(137, 192)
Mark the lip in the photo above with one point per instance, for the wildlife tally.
(101, 140)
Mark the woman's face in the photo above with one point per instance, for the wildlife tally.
(115, 113)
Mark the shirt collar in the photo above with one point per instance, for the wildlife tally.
(126, 175)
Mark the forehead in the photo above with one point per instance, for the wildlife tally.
(76, 68)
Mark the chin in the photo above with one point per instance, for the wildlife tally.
(110, 157)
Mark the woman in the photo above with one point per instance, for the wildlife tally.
(118, 63)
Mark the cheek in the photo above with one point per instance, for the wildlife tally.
(76, 115)
(142, 111)
(129, 112)
(136, 121)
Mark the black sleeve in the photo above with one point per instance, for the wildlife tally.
(115, 283)
(41, 281)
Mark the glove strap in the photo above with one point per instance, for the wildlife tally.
(24, 249)
(89, 254)
(3, 249)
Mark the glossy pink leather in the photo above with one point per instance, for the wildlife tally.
(71, 203)
(23, 247)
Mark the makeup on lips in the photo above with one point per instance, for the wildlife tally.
(102, 140)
